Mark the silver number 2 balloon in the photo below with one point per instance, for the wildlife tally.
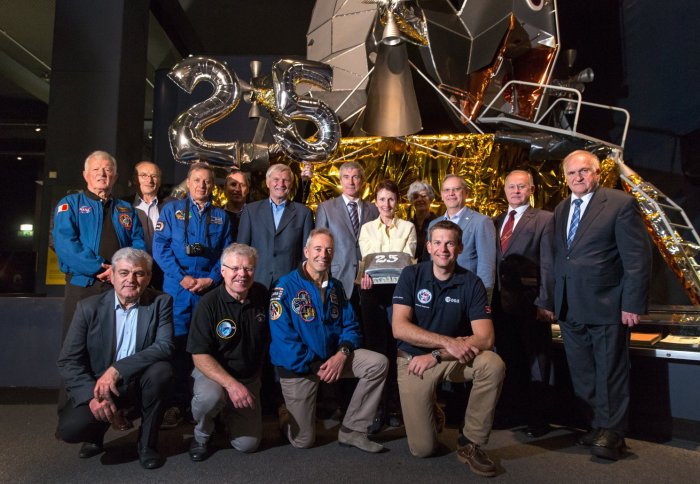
(187, 131)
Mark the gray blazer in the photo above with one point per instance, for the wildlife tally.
(279, 251)
(479, 240)
(525, 276)
(89, 348)
(333, 214)
(607, 269)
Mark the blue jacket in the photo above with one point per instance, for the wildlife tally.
(169, 240)
(305, 330)
(77, 229)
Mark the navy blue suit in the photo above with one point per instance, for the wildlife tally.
(604, 272)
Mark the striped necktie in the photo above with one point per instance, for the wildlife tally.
(354, 219)
(575, 218)
(507, 230)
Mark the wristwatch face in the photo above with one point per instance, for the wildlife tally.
(436, 355)
(345, 351)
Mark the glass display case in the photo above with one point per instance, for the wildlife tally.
(671, 332)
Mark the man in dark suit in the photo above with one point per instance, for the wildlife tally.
(523, 303)
(116, 355)
(602, 262)
(277, 227)
(344, 221)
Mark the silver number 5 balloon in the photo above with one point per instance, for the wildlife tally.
(286, 74)
(187, 131)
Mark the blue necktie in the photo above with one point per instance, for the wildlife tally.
(574, 222)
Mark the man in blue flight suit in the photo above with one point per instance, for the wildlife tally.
(316, 337)
(189, 238)
(88, 228)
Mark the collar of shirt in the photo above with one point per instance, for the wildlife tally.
(140, 202)
(126, 321)
(227, 298)
(455, 218)
(200, 210)
(278, 207)
(92, 196)
(585, 200)
(519, 211)
(380, 225)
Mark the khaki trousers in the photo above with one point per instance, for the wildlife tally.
(300, 397)
(486, 372)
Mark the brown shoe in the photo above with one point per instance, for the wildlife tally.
(477, 460)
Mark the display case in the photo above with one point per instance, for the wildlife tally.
(665, 332)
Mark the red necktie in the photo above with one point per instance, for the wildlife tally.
(507, 230)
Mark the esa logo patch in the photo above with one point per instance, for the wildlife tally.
(226, 329)
(449, 299)
(424, 296)
(275, 310)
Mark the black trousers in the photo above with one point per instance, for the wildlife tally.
(376, 307)
(524, 344)
(599, 362)
(147, 391)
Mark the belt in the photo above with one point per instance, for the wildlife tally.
(403, 354)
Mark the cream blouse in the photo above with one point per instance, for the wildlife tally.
(376, 237)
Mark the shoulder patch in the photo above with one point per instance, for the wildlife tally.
(62, 208)
(159, 226)
(275, 310)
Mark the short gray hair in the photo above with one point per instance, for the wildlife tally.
(530, 179)
(419, 186)
(242, 250)
(352, 165)
(319, 231)
(462, 181)
(594, 159)
(135, 256)
(101, 155)
(278, 167)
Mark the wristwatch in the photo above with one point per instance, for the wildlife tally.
(436, 354)
(345, 350)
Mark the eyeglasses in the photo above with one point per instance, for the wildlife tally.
(246, 269)
(146, 176)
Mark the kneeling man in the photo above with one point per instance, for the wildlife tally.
(117, 355)
(443, 323)
(315, 337)
(228, 341)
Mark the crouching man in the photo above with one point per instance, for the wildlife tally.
(116, 355)
(315, 337)
(228, 340)
(442, 321)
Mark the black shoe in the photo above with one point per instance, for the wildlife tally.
(608, 445)
(395, 420)
(199, 451)
(588, 438)
(90, 449)
(536, 431)
(150, 458)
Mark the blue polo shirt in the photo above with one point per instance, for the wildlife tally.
(442, 307)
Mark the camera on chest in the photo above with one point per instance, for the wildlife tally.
(195, 249)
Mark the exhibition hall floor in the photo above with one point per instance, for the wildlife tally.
(30, 453)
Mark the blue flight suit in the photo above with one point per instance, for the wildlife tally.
(77, 228)
(169, 243)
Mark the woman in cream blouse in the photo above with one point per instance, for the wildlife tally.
(387, 233)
